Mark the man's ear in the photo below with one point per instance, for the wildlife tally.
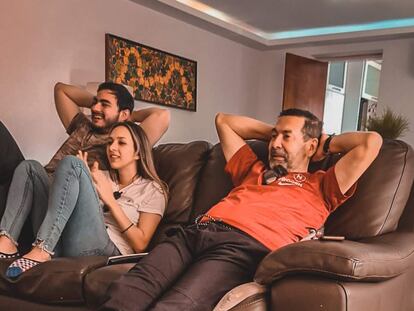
(312, 147)
(124, 115)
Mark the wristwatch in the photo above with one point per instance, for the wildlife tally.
(326, 144)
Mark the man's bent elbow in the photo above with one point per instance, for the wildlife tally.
(58, 87)
(374, 142)
(164, 118)
(220, 118)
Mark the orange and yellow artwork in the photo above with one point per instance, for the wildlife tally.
(155, 76)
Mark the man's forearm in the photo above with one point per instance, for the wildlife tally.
(245, 127)
(359, 149)
(345, 142)
(154, 121)
(68, 99)
(77, 95)
(142, 114)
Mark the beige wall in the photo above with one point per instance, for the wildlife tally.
(44, 41)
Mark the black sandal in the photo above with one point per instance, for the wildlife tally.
(9, 256)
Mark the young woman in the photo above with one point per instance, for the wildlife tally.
(89, 211)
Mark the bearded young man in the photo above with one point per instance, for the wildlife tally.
(112, 103)
(199, 264)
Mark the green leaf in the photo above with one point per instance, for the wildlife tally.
(389, 124)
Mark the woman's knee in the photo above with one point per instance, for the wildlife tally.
(71, 161)
(28, 166)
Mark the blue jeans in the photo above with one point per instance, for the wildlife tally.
(67, 218)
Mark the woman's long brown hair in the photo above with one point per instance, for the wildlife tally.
(145, 162)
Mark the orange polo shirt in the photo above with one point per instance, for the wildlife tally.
(277, 214)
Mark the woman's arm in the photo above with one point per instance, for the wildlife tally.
(138, 235)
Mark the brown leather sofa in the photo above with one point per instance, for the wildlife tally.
(373, 269)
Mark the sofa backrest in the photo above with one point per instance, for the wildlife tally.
(381, 196)
(197, 181)
(179, 165)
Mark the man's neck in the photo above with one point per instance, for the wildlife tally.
(101, 130)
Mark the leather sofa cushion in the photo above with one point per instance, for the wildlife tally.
(214, 183)
(57, 281)
(372, 259)
(312, 293)
(381, 195)
(179, 165)
(97, 282)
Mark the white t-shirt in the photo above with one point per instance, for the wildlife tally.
(142, 195)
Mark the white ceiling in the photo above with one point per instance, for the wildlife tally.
(278, 23)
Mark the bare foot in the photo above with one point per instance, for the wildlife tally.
(37, 254)
(7, 246)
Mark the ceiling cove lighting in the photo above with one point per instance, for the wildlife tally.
(388, 24)
(218, 15)
(292, 34)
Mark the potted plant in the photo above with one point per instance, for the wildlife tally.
(389, 124)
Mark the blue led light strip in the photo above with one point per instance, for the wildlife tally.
(388, 24)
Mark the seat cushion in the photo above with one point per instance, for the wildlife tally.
(97, 282)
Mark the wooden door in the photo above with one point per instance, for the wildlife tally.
(305, 84)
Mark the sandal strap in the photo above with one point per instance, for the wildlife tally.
(9, 256)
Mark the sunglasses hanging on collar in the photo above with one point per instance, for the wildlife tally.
(272, 175)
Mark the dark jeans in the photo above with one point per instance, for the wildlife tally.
(190, 271)
(10, 157)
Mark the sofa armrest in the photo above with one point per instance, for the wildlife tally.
(372, 259)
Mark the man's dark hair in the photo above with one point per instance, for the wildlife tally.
(312, 127)
(124, 98)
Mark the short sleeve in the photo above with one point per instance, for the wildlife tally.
(155, 204)
(331, 191)
(240, 164)
(79, 120)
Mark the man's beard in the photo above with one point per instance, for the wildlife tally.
(108, 123)
(273, 163)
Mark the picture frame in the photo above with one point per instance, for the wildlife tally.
(155, 76)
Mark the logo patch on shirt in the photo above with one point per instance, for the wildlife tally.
(285, 181)
(299, 177)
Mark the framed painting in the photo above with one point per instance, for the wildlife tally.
(155, 76)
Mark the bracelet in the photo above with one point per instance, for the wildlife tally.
(127, 228)
(327, 143)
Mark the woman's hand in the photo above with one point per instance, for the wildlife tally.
(102, 184)
(84, 157)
